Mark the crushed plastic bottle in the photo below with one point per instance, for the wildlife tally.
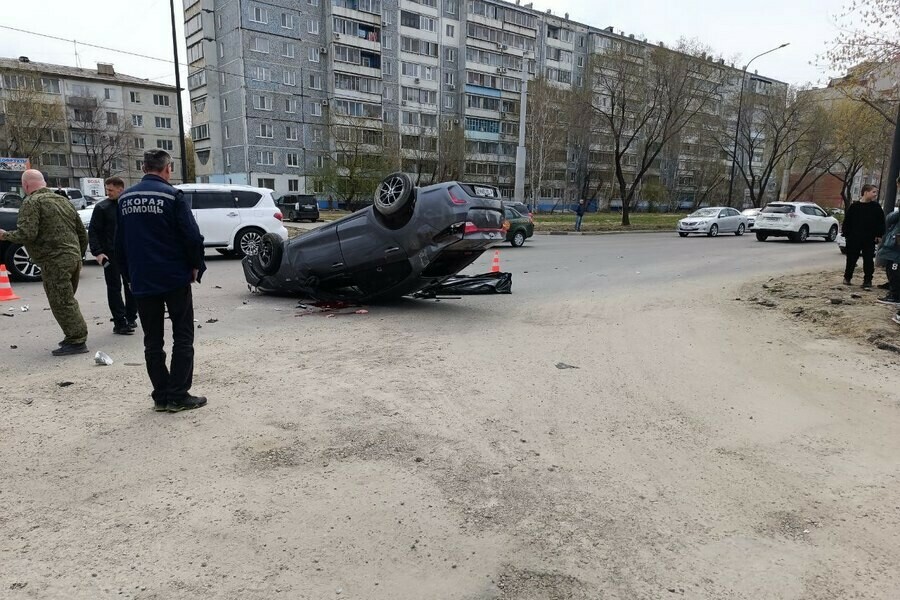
(102, 358)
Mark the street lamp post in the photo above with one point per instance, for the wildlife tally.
(178, 96)
(519, 190)
(737, 127)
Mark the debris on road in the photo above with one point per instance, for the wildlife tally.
(6, 314)
(488, 283)
(212, 320)
(102, 358)
(25, 308)
(13, 347)
(65, 384)
(565, 366)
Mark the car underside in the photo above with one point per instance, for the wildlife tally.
(407, 243)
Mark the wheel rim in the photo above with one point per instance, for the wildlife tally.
(519, 239)
(714, 230)
(741, 229)
(390, 191)
(250, 243)
(832, 235)
(803, 234)
(22, 263)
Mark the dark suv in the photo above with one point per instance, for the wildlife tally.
(299, 207)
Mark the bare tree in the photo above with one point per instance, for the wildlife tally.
(34, 121)
(644, 97)
(545, 133)
(815, 153)
(104, 134)
(859, 134)
(870, 34)
(362, 154)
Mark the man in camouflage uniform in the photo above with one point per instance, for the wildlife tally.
(56, 240)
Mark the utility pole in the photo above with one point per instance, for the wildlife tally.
(519, 191)
(178, 96)
(890, 190)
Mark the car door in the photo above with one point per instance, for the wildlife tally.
(725, 222)
(217, 216)
(374, 257)
(824, 220)
(736, 219)
(811, 220)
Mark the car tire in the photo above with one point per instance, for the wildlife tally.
(801, 236)
(740, 230)
(292, 216)
(394, 194)
(832, 233)
(19, 264)
(518, 239)
(246, 242)
(682, 234)
(271, 252)
(761, 237)
(713, 230)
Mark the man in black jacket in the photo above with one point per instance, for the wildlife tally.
(102, 234)
(160, 247)
(863, 227)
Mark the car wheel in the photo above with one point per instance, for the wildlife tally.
(740, 230)
(761, 237)
(800, 236)
(271, 251)
(682, 234)
(518, 239)
(394, 194)
(713, 230)
(247, 242)
(292, 216)
(832, 233)
(19, 264)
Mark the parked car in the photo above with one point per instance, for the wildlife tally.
(518, 226)
(751, 214)
(713, 221)
(10, 200)
(408, 242)
(795, 220)
(519, 207)
(234, 218)
(298, 207)
(14, 256)
(78, 200)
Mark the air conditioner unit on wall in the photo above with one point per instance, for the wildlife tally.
(325, 102)
(418, 80)
(323, 50)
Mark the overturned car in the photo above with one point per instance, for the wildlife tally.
(407, 243)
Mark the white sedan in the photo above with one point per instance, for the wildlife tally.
(713, 221)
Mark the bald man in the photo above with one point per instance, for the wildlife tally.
(56, 240)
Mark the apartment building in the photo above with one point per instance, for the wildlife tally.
(74, 122)
(277, 86)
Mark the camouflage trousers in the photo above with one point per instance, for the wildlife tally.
(60, 283)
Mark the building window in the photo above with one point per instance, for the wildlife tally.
(287, 50)
(387, 42)
(290, 105)
(54, 160)
(227, 133)
(265, 131)
(219, 21)
(135, 97)
(259, 15)
(449, 101)
(315, 81)
(107, 94)
(293, 185)
(450, 54)
(312, 2)
(196, 80)
(222, 77)
(198, 132)
(320, 162)
(388, 68)
(451, 31)
(195, 52)
(287, 21)
(137, 120)
(262, 103)
(81, 161)
(224, 105)
(258, 44)
(82, 91)
(387, 18)
(193, 25)
(313, 27)
(166, 144)
(451, 6)
(315, 109)
(262, 74)
(57, 136)
(139, 143)
(450, 78)
(293, 159)
(290, 133)
(314, 55)
(580, 61)
(227, 160)
(51, 86)
(112, 118)
(139, 165)
(317, 135)
(221, 50)
(164, 122)
(160, 100)
(290, 78)
(265, 157)
(266, 182)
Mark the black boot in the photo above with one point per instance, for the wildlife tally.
(69, 349)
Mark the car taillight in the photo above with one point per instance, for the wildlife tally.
(471, 227)
(279, 216)
(792, 215)
(454, 199)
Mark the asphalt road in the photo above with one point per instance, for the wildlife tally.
(619, 427)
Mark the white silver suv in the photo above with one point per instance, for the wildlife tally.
(798, 221)
(233, 218)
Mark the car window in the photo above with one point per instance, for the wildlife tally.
(75, 194)
(780, 209)
(808, 210)
(819, 212)
(247, 199)
(512, 214)
(210, 200)
(733, 213)
(723, 213)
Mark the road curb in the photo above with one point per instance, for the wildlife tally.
(600, 232)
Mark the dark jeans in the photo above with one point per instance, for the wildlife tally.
(893, 275)
(173, 385)
(122, 312)
(578, 219)
(855, 249)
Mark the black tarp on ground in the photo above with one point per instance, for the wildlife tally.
(489, 283)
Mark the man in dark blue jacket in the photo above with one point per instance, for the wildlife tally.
(160, 247)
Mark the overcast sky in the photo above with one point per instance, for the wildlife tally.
(733, 29)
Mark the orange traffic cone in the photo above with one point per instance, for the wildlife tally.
(6, 292)
(495, 267)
